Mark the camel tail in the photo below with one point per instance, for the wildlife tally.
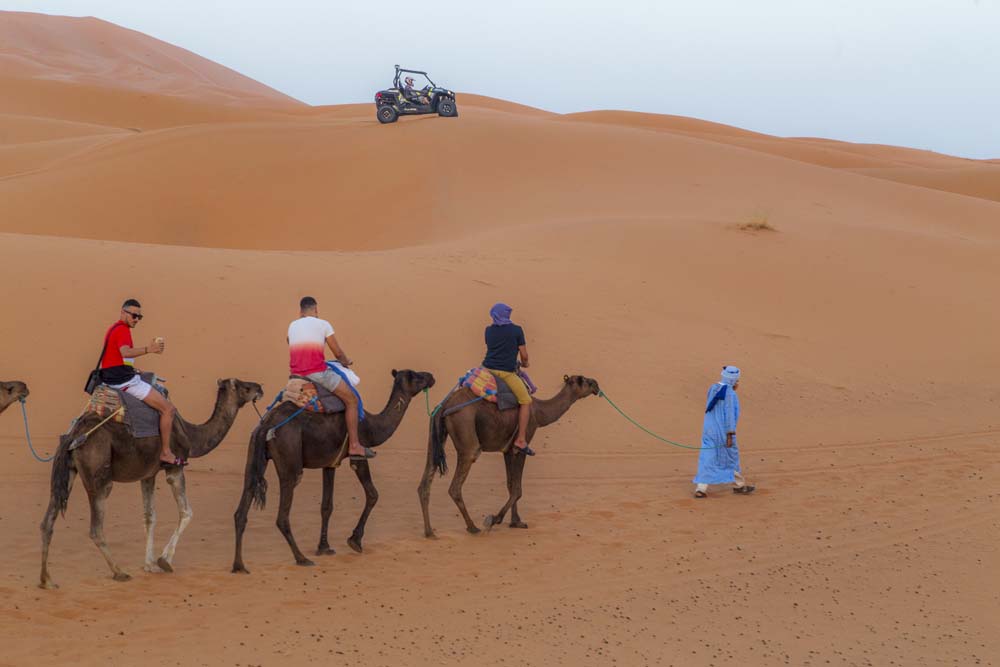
(256, 465)
(435, 443)
(61, 467)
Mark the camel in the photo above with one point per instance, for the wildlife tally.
(12, 392)
(480, 427)
(312, 440)
(110, 454)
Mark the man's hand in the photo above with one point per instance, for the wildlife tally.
(157, 346)
(729, 439)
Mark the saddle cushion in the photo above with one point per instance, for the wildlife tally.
(301, 392)
(485, 385)
(142, 420)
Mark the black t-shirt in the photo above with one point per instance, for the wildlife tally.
(501, 346)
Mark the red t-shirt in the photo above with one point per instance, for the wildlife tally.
(114, 368)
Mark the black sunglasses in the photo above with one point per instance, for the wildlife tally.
(137, 316)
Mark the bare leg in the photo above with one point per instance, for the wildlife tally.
(175, 478)
(156, 400)
(523, 415)
(344, 393)
(149, 517)
(326, 509)
(48, 523)
(363, 472)
(288, 483)
(97, 499)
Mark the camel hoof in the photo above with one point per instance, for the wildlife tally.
(489, 521)
(122, 576)
(48, 585)
(152, 568)
(305, 563)
(473, 530)
(240, 569)
(354, 544)
(518, 524)
(325, 551)
(164, 564)
(430, 534)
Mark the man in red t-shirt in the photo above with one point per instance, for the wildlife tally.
(118, 372)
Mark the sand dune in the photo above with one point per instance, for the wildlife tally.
(863, 320)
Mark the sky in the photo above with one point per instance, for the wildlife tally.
(919, 73)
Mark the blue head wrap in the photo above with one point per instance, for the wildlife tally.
(730, 375)
(500, 312)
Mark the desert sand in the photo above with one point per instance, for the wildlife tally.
(854, 284)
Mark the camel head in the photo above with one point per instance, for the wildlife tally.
(581, 386)
(245, 391)
(11, 392)
(412, 382)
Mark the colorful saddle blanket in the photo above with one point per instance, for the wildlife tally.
(485, 385)
(311, 397)
(142, 420)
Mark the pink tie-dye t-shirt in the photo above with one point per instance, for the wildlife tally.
(307, 345)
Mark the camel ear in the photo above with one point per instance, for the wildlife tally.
(566, 379)
(394, 372)
(220, 381)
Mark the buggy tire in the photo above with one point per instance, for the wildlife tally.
(386, 114)
(447, 107)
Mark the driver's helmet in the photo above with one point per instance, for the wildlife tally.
(408, 81)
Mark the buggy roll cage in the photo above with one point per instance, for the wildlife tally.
(395, 79)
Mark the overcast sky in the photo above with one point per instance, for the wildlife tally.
(921, 73)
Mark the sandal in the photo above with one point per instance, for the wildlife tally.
(744, 490)
(176, 463)
(369, 454)
(701, 494)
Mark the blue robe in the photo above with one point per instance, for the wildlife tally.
(717, 465)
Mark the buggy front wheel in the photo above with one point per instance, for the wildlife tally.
(446, 107)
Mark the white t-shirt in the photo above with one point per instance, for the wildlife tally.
(307, 345)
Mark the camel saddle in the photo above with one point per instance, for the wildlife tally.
(301, 392)
(142, 421)
(488, 387)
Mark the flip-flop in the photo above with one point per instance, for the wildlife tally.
(369, 454)
(744, 490)
(526, 450)
(702, 494)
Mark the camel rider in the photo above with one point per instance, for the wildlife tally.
(118, 372)
(308, 337)
(504, 343)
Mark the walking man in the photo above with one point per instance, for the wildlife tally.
(719, 460)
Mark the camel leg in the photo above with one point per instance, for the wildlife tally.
(240, 519)
(149, 517)
(288, 483)
(364, 474)
(496, 519)
(326, 509)
(514, 487)
(48, 523)
(175, 478)
(424, 491)
(97, 499)
(465, 462)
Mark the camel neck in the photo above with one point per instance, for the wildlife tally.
(376, 429)
(548, 411)
(200, 439)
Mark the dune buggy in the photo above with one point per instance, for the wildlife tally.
(405, 99)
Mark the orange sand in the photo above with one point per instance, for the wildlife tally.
(866, 326)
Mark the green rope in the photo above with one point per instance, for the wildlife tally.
(427, 400)
(635, 423)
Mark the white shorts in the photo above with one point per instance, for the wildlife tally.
(135, 387)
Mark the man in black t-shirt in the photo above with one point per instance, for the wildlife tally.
(504, 342)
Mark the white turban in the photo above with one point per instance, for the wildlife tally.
(730, 375)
